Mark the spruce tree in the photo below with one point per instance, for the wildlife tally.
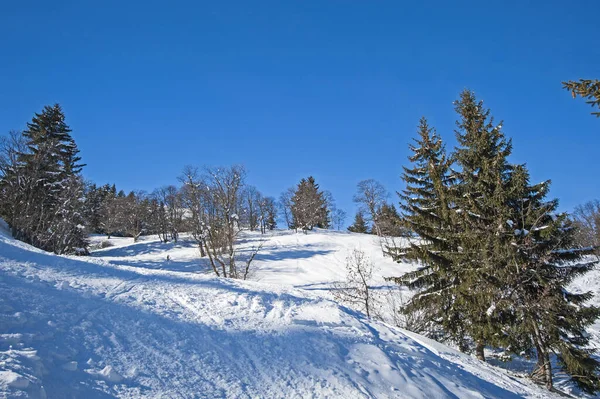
(51, 191)
(483, 189)
(359, 225)
(586, 88)
(545, 259)
(309, 206)
(426, 209)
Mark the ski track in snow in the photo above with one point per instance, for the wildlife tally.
(127, 323)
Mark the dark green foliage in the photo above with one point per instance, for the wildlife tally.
(309, 206)
(496, 259)
(49, 188)
(480, 198)
(545, 259)
(425, 208)
(586, 88)
(389, 222)
(359, 225)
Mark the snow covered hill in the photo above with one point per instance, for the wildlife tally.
(128, 323)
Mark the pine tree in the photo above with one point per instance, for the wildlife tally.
(390, 222)
(51, 190)
(586, 88)
(359, 225)
(482, 195)
(425, 205)
(308, 206)
(545, 260)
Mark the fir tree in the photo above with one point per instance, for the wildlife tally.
(483, 191)
(586, 88)
(309, 206)
(545, 260)
(51, 190)
(426, 211)
(359, 225)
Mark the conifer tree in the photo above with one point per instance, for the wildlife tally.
(483, 191)
(309, 206)
(425, 205)
(359, 225)
(545, 260)
(50, 193)
(586, 88)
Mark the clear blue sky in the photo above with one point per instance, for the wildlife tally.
(332, 89)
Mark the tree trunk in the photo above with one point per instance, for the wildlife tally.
(479, 350)
(542, 372)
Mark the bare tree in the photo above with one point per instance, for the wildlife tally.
(195, 199)
(338, 217)
(252, 201)
(225, 186)
(371, 195)
(10, 147)
(587, 218)
(285, 205)
(133, 212)
(170, 198)
(355, 290)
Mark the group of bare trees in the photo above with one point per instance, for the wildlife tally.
(220, 205)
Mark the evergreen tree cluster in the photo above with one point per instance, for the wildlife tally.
(495, 256)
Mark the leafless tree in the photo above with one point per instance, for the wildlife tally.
(10, 146)
(587, 218)
(252, 201)
(132, 211)
(195, 195)
(285, 205)
(356, 290)
(371, 195)
(338, 217)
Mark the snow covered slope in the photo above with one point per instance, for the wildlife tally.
(127, 323)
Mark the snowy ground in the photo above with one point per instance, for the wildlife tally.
(126, 322)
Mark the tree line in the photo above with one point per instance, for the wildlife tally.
(47, 203)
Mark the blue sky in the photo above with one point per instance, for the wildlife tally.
(332, 89)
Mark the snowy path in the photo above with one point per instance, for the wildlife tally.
(97, 327)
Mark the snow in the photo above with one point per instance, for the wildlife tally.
(127, 323)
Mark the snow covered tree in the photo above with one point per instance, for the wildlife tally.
(309, 206)
(359, 225)
(195, 199)
(545, 260)
(586, 88)
(109, 216)
(224, 189)
(50, 189)
(11, 176)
